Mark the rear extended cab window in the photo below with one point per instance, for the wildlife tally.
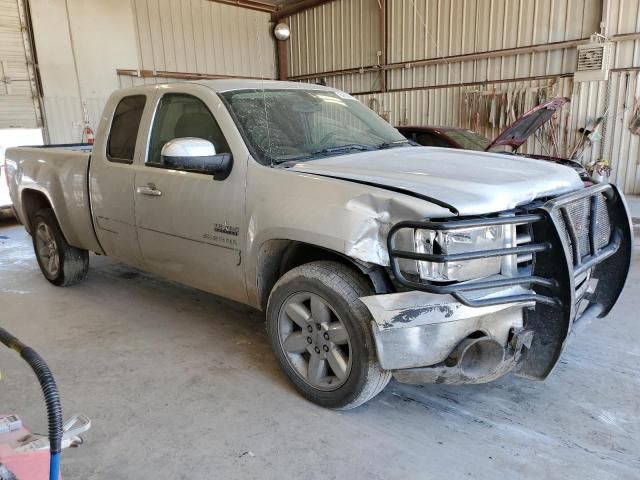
(121, 145)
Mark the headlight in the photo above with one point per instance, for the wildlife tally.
(460, 241)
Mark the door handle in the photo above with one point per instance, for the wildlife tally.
(150, 190)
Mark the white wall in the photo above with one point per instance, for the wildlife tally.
(190, 36)
(103, 37)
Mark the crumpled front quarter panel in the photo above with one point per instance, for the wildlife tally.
(346, 217)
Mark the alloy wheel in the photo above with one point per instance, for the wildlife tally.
(315, 341)
(47, 250)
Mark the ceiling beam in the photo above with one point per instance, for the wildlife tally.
(297, 7)
(250, 4)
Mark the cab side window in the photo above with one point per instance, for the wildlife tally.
(180, 115)
(121, 145)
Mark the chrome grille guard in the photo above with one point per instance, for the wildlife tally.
(556, 238)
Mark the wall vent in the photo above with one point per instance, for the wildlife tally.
(593, 61)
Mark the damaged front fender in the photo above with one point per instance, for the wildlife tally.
(342, 216)
(374, 214)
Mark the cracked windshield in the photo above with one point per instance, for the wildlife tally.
(297, 125)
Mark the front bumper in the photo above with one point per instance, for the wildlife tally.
(415, 329)
(581, 259)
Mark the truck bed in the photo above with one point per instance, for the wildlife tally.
(59, 173)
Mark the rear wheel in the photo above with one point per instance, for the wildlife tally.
(60, 263)
(321, 334)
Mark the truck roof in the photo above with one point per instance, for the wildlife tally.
(225, 85)
(244, 83)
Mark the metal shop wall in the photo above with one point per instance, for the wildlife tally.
(199, 36)
(335, 36)
(438, 52)
(456, 105)
(87, 49)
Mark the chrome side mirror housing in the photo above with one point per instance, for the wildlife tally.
(196, 155)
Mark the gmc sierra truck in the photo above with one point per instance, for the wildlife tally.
(370, 256)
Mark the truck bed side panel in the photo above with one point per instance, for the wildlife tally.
(61, 175)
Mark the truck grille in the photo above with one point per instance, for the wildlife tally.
(581, 219)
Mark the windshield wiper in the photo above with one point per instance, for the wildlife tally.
(340, 149)
(324, 152)
(329, 151)
(397, 143)
(344, 148)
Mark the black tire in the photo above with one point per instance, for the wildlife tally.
(340, 287)
(73, 263)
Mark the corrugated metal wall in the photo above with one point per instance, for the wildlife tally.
(335, 36)
(443, 28)
(428, 29)
(620, 144)
(446, 107)
(199, 36)
(616, 99)
(624, 18)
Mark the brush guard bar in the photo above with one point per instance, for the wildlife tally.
(547, 242)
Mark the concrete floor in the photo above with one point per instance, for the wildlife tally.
(182, 384)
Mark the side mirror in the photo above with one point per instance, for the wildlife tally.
(196, 155)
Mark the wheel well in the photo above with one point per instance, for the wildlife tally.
(277, 257)
(32, 201)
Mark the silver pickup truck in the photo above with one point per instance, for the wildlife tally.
(371, 257)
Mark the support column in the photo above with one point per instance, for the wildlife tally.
(281, 53)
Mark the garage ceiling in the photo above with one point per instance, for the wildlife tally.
(279, 8)
(285, 8)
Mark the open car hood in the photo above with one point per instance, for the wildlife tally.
(520, 130)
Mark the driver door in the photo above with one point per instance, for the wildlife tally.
(188, 224)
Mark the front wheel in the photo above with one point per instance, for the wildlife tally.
(321, 334)
(60, 263)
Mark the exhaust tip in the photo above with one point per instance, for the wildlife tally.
(478, 357)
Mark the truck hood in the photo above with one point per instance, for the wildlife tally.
(457, 179)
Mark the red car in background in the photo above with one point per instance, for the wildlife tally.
(513, 136)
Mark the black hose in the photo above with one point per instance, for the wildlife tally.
(47, 384)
